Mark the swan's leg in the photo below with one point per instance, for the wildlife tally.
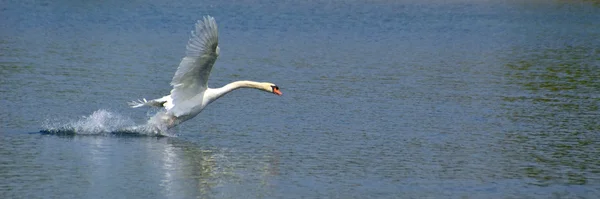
(163, 121)
(171, 121)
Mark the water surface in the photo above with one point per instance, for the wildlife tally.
(384, 99)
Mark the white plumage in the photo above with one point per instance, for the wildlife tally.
(190, 93)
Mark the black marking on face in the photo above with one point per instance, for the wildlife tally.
(274, 88)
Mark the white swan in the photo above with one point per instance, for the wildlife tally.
(190, 93)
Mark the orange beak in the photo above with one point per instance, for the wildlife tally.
(276, 91)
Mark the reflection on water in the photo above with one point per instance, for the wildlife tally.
(166, 167)
(191, 171)
(556, 139)
(187, 168)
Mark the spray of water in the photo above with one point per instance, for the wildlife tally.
(103, 122)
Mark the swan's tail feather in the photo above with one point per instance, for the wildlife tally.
(138, 103)
(143, 102)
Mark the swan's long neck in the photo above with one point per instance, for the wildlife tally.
(216, 93)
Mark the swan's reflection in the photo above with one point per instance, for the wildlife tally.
(169, 168)
(187, 170)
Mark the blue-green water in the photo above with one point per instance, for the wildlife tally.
(382, 99)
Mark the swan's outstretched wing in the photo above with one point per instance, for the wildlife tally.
(192, 74)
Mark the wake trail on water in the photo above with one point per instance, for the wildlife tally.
(103, 122)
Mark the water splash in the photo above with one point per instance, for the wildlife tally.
(102, 122)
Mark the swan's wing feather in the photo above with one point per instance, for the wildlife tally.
(191, 77)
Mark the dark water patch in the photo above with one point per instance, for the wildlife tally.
(120, 133)
(556, 113)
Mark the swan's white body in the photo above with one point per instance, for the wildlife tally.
(190, 93)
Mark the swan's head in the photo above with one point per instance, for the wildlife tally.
(271, 88)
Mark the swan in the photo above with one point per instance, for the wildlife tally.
(190, 93)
